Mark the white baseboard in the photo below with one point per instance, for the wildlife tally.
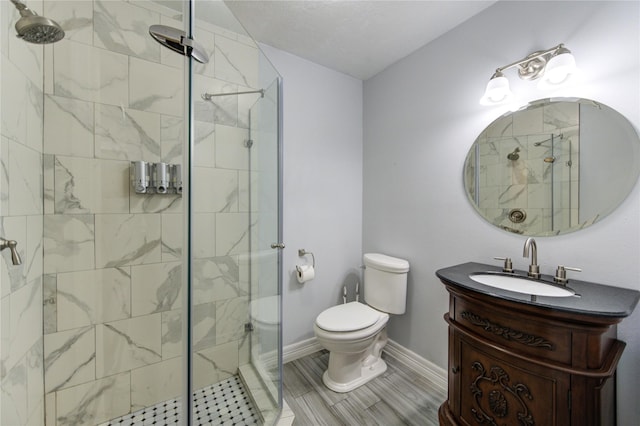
(300, 349)
(419, 365)
(408, 358)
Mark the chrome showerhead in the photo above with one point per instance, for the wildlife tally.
(513, 156)
(34, 28)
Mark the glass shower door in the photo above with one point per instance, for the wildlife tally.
(234, 220)
(264, 290)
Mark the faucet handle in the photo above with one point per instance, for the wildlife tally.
(508, 266)
(561, 273)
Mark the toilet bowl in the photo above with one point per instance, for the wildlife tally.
(355, 333)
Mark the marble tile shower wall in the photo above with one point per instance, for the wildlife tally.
(547, 191)
(21, 114)
(112, 258)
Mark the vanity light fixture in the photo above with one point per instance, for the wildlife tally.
(552, 66)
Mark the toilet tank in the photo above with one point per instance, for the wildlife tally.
(385, 283)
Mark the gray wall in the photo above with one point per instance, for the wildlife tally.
(421, 115)
(322, 186)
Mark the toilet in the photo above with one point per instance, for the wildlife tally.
(355, 333)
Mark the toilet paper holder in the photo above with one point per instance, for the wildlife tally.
(303, 252)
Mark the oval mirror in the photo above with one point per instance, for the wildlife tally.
(552, 167)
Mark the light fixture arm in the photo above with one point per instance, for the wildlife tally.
(531, 67)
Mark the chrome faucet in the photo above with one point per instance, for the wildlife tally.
(534, 269)
(11, 245)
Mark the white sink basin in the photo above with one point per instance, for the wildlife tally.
(521, 285)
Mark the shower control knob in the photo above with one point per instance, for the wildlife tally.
(277, 245)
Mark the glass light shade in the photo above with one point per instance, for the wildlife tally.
(497, 91)
(559, 69)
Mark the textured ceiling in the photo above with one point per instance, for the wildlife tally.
(357, 37)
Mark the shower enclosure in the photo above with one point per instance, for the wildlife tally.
(125, 300)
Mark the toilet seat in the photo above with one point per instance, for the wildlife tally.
(347, 317)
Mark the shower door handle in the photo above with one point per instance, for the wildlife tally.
(277, 245)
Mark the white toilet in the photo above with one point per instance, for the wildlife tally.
(355, 333)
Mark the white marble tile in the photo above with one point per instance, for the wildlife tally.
(155, 203)
(156, 288)
(124, 28)
(249, 102)
(6, 15)
(156, 88)
(90, 74)
(204, 144)
(127, 134)
(231, 315)
(50, 409)
(32, 257)
(35, 384)
(35, 117)
(172, 10)
(93, 297)
(501, 127)
(215, 190)
(203, 326)
(49, 309)
(128, 344)
(13, 401)
(24, 322)
(94, 402)
(68, 127)
(49, 182)
(248, 198)
(528, 122)
(25, 180)
(68, 243)
(215, 364)
(127, 239)
(69, 358)
(236, 62)
(84, 186)
(231, 233)
(206, 39)
(172, 334)
(13, 119)
(172, 237)
(561, 114)
(4, 176)
(220, 109)
(156, 383)
(204, 236)
(231, 152)
(28, 57)
(171, 136)
(75, 18)
(215, 279)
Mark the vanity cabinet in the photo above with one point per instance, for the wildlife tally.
(513, 363)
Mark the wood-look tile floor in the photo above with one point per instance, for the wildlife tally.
(397, 397)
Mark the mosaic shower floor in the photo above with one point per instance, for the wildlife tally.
(225, 403)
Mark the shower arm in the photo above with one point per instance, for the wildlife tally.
(22, 8)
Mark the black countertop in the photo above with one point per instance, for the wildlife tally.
(591, 298)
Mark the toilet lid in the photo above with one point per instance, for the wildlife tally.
(350, 316)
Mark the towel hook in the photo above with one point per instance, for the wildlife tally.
(303, 252)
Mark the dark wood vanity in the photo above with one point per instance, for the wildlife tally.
(518, 361)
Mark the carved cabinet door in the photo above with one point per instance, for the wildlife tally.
(499, 389)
